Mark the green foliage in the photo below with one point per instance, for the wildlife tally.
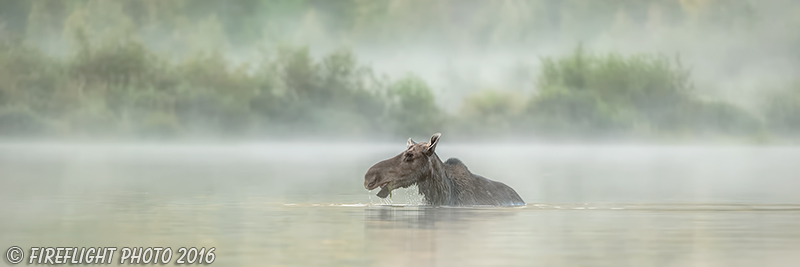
(28, 76)
(247, 22)
(124, 63)
(123, 89)
(337, 94)
(574, 113)
(587, 94)
(491, 112)
(156, 69)
(412, 109)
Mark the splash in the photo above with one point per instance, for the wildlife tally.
(402, 196)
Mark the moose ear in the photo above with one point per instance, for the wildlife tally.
(432, 143)
(410, 143)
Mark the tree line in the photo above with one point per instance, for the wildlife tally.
(159, 69)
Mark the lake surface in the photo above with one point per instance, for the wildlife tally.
(303, 204)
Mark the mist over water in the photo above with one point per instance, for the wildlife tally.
(640, 133)
(334, 172)
(273, 203)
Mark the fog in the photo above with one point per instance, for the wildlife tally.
(643, 70)
(273, 203)
(302, 172)
(653, 132)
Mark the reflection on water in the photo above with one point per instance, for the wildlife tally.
(279, 205)
(681, 236)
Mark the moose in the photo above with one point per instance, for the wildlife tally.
(447, 183)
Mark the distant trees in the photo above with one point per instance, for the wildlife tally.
(491, 112)
(588, 95)
(181, 26)
(412, 109)
(123, 89)
(612, 93)
(164, 69)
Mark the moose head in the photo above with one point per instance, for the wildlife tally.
(413, 165)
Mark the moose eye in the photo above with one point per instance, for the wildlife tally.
(408, 157)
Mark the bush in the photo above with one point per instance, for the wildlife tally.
(575, 113)
(121, 88)
(119, 63)
(491, 112)
(587, 94)
(412, 110)
(30, 78)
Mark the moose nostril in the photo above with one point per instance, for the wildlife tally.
(371, 183)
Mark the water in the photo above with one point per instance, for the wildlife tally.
(305, 205)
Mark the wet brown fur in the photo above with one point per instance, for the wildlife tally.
(447, 183)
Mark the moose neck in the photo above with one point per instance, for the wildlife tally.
(437, 187)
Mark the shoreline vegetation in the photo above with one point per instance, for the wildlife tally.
(114, 86)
